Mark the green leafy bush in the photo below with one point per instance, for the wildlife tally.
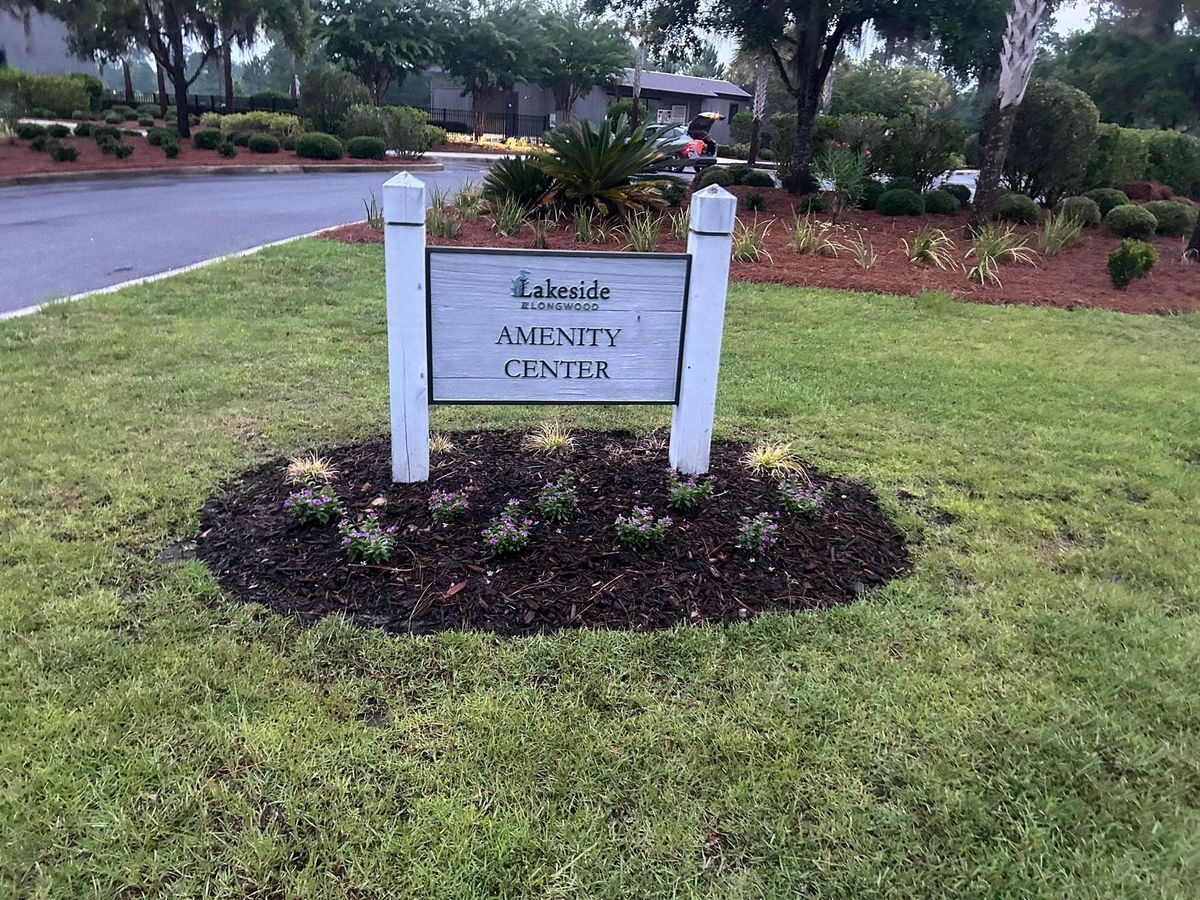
(900, 202)
(941, 203)
(1131, 221)
(46, 95)
(1116, 156)
(366, 147)
(1013, 207)
(517, 178)
(240, 138)
(227, 149)
(740, 125)
(318, 145)
(810, 203)
(262, 143)
(1107, 198)
(1130, 261)
(208, 139)
(27, 131)
(673, 192)
(107, 145)
(83, 129)
(959, 192)
(902, 184)
(1174, 218)
(766, 154)
(105, 132)
(326, 95)
(871, 192)
(58, 131)
(63, 153)
(363, 120)
(1052, 140)
(596, 167)
(127, 113)
(755, 202)
(113, 118)
(1083, 210)
(920, 147)
(1174, 159)
(170, 148)
(278, 124)
(757, 178)
(148, 110)
(39, 143)
(121, 151)
(145, 121)
(403, 129)
(156, 137)
(718, 175)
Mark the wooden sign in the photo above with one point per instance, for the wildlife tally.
(555, 326)
(475, 325)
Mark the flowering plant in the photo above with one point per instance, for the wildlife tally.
(368, 540)
(685, 492)
(557, 500)
(640, 530)
(509, 531)
(801, 496)
(758, 534)
(314, 505)
(446, 506)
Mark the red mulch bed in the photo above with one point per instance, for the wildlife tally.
(18, 159)
(1075, 278)
(575, 575)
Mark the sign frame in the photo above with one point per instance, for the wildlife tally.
(600, 255)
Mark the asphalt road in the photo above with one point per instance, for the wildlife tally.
(62, 239)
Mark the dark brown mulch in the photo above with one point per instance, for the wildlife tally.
(573, 576)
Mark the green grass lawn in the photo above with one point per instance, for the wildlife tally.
(1019, 717)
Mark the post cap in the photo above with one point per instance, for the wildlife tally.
(713, 211)
(404, 200)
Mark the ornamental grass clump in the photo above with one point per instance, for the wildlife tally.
(685, 492)
(749, 242)
(642, 228)
(441, 220)
(550, 438)
(1060, 231)
(640, 530)
(681, 222)
(993, 247)
(468, 201)
(771, 459)
(758, 534)
(931, 245)
(801, 497)
(583, 223)
(508, 532)
(310, 470)
(368, 540)
(508, 216)
(440, 443)
(318, 505)
(446, 506)
(811, 236)
(557, 500)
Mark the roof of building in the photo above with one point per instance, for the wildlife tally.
(686, 84)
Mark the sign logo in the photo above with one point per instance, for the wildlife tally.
(518, 283)
(547, 294)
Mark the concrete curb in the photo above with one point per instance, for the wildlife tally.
(169, 273)
(191, 171)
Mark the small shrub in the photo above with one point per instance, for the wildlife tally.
(766, 154)
(367, 540)
(39, 143)
(508, 532)
(749, 242)
(960, 192)
(1130, 261)
(105, 132)
(27, 131)
(366, 147)
(148, 110)
(208, 139)
(113, 118)
(257, 121)
(1107, 199)
(438, 443)
(227, 149)
(439, 217)
(1131, 221)
(1011, 207)
(864, 252)
(83, 129)
(81, 115)
(145, 121)
(713, 175)
(240, 138)
(900, 202)
(556, 501)
(58, 131)
(468, 201)
(326, 95)
(758, 534)
(902, 184)
(941, 203)
(318, 145)
(63, 153)
(771, 459)
(123, 151)
(640, 530)
(262, 143)
(288, 143)
(686, 492)
(872, 190)
(681, 223)
(758, 178)
(107, 145)
(809, 203)
(1174, 218)
(156, 137)
(127, 113)
(446, 506)
(801, 497)
(517, 178)
(315, 505)
(508, 216)
(1083, 210)
(170, 149)
(755, 202)
(1059, 231)
(673, 192)
(931, 245)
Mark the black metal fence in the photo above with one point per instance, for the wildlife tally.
(458, 121)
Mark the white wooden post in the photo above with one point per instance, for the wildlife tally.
(710, 242)
(408, 376)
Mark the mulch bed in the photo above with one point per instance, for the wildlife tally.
(19, 159)
(572, 576)
(1076, 278)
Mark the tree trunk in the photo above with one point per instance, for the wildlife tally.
(477, 113)
(293, 87)
(799, 179)
(179, 81)
(568, 105)
(987, 185)
(162, 90)
(758, 106)
(1193, 248)
(752, 155)
(227, 70)
(128, 80)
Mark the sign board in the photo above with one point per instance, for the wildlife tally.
(555, 326)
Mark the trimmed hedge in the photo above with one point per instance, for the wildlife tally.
(366, 147)
(262, 143)
(718, 175)
(208, 139)
(58, 131)
(872, 191)
(1130, 261)
(27, 131)
(1013, 207)
(83, 129)
(900, 202)
(318, 145)
(961, 193)
(1107, 198)
(53, 95)
(1131, 221)
(1174, 218)
(941, 203)
(1082, 209)
(63, 153)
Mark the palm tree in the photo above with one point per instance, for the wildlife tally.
(1016, 65)
(758, 105)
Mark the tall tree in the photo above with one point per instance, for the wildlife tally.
(579, 52)
(489, 46)
(170, 27)
(241, 22)
(380, 41)
(1016, 66)
(107, 32)
(762, 70)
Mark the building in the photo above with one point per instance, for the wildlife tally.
(670, 98)
(36, 42)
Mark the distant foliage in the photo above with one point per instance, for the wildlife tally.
(1107, 198)
(326, 95)
(1052, 138)
(921, 147)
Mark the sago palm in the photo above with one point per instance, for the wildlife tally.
(595, 167)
